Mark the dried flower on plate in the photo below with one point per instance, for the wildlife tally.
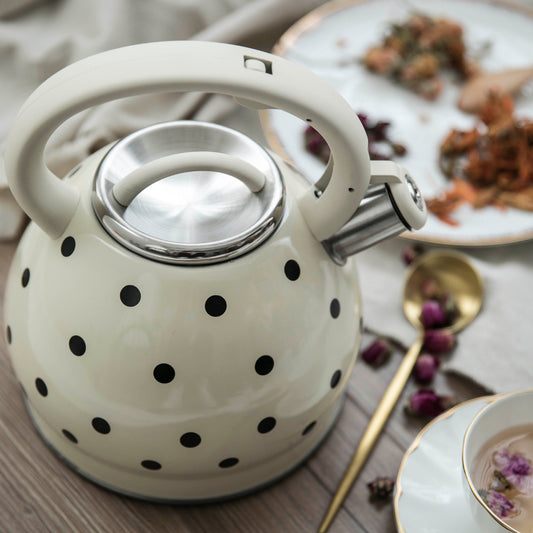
(492, 164)
(414, 53)
(378, 139)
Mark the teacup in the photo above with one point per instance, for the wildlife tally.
(504, 420)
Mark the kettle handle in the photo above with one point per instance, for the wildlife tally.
(254, 78)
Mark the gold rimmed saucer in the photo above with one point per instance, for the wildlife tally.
(429, 487)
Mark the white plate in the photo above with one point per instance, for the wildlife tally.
(430, 497)
(329, 41)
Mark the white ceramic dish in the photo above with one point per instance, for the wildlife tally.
(430, 496)
(329, 41)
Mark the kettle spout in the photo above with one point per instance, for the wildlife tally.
(393, 203)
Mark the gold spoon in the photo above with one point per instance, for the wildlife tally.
(455, 275)
(474, 92)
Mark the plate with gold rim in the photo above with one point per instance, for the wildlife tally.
(429, 495)
(333, 38)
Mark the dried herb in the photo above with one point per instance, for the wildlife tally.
(492, 164)
(415, 52)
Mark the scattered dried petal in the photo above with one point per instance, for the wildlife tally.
(425, 368)
(381, 488)
(411, 253)
(377, 352)
(425, 403)
(438, 342)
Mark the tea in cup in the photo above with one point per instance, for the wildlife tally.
(498, 464)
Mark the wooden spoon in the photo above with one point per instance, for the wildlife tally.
(475, 91)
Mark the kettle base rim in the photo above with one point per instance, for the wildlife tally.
(277, 469)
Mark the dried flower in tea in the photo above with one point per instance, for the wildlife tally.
(497, 502)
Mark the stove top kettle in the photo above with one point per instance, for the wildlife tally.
(183, 312)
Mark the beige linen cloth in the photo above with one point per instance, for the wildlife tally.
(495, 351)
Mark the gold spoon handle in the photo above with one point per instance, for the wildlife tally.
(373, 430)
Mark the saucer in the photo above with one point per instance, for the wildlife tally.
(430, 496)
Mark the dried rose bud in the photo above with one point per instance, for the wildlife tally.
(411, 253)
(425, 403)
(381, 488)
(433, 315)
(425, 368)
(437, 342)
(497, 502)
(376, 353)
(431, 289)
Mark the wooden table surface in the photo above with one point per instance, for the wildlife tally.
(38, 493)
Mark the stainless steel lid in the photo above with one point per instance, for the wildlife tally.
(195, 216)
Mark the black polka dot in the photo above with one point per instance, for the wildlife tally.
(70, 436)
(264, 365)
(151, 465)
(41, 387)
(229, 462)
(335, 308)
(215, 305)
(292, 270)
(9, 336)
(130, 295)
(67, 246)
(77, 345)
(266, 425)
(190, 440)
(335, 378)
(164, 373)
(25, 277)
(309, 427)
(101, 425)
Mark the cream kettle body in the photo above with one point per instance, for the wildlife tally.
(181, 313)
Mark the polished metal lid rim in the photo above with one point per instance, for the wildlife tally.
(111, 214)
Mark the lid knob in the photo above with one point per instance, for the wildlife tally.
(129, 187)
